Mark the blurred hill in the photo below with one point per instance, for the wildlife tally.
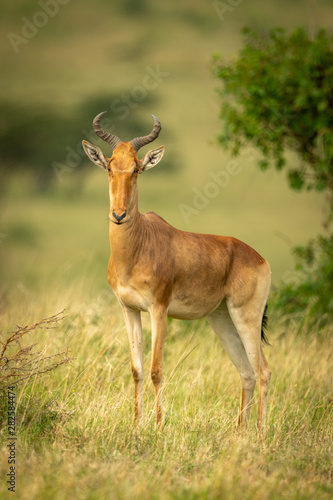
(64, 61)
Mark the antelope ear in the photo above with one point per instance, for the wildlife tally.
(152, 158)
(95, 154)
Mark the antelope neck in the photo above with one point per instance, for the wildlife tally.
(126, 241)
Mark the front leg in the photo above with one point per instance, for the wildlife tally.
(159, 326)
(135, 337)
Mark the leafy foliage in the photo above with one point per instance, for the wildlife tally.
(278, 95)
(309, 288)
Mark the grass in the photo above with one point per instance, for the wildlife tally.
(77, 438)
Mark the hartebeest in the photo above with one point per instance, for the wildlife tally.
(156, 268)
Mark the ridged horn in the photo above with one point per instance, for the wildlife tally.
(139, 142)
(111, 139)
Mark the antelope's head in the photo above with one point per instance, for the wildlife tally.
(123, 167)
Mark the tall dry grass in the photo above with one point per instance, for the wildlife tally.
(77, 438)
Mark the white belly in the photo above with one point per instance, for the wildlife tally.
(183, 310)
(182, 306)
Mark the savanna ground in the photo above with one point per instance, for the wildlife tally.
(77, 438)
(75, 429)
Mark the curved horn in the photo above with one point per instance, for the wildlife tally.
(111, 139)
(138, 142)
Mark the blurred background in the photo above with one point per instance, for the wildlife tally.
(65, 61)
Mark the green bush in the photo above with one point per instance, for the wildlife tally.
(278, 95)
(309, 287)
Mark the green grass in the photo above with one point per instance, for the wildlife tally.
(77, 438)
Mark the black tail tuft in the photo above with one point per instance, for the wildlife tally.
(264, 326)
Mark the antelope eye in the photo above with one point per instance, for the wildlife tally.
(136, 171)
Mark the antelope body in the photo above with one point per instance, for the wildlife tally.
(157, 268)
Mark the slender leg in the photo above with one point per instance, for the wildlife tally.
(159, 327)
(134, 330)
(225, 329)
(249, 330)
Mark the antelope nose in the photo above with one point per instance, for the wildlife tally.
(119, 217)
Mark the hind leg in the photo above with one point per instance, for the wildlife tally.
(248, 326)
(224, 327)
